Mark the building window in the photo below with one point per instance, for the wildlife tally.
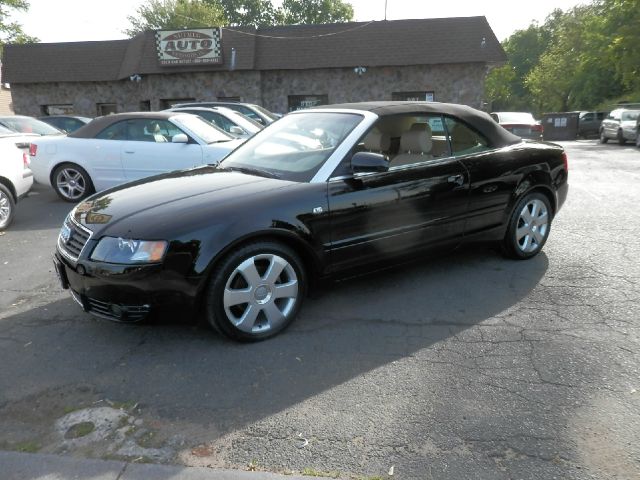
(299, 102)
(106, 108)
(229, 99)
(145, 106)
(63, 109)
(413, 96)
(170, 102)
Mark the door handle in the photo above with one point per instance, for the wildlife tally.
(457, 179)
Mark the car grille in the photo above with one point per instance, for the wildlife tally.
(112, 311)
(77, 237)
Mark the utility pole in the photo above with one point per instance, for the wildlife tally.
(385, 9)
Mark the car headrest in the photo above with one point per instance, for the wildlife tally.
(377, 141)
(416, 141)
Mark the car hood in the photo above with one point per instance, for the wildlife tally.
(177, 202)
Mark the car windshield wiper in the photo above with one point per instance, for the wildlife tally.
(253, 171)
(221, 141)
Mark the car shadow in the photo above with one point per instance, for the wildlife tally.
(182, 372)
(41, 209)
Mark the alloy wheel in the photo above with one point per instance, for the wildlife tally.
(71, 183)
(533, 225)
(261, 293)
(5, 208)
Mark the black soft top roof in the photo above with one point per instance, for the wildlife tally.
(480, 121)
(98, 124)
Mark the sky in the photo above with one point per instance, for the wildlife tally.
(85, 20)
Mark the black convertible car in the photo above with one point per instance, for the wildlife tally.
(318, 192)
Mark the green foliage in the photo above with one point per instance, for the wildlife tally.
(316, 11)
(174, 14)
(576, 60)
(11, 32)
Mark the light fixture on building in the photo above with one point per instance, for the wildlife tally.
(135, 78)
(360, 70)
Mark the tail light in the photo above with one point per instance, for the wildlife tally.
(25, 160)
(565, 160)
(33, 149)
(537, 128)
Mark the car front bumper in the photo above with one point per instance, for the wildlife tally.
(124, 293)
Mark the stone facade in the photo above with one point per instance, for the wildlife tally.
(454, 83)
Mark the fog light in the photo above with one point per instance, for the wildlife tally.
(81, 270)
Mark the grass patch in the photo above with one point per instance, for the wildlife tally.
(79, 430)
(312, 472)
(27, 447)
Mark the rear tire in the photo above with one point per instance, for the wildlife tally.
(256, 291)
(528, 227)
(71, 182)
(7, 207)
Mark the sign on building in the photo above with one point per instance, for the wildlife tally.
(189, 47)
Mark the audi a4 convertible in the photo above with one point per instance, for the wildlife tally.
(318, 193)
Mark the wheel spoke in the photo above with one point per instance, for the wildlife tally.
(286, 290)
(521, 232)
(273, 314)
(527, 243)
(249, 271)
(534, 210)
(248, 319)
(538, 236)
(236, 297)
(276, 266)
(526, 215)
(542, 219)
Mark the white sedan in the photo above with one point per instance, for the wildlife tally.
(15, 175)
(124, 147)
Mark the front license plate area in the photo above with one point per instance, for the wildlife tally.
(61, 273)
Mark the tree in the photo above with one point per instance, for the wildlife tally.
(255, 13)
(175, 14)
(316, 11)
(11, 32)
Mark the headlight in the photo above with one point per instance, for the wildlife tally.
(126, 250)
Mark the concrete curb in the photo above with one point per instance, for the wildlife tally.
(37, 466)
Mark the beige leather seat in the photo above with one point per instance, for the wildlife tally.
(415, 146)
(462, 139)
(377, 142)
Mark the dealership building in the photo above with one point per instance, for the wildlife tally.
(282, 68)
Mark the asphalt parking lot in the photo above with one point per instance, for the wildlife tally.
(469, 366)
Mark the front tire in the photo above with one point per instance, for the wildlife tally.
(71, 182)
(603, 137)
(256, 291)
(7, 207)
(621, 139)
(528, 227)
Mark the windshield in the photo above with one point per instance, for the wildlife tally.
(266, 112)
(296, 146)
(30, 125)
(630, 116)
(201, 128)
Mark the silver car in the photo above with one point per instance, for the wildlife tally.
(620, 125)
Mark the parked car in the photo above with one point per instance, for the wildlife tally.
(316, 193)
(521, 124)
(23, 124)
(230, 121)
(621, 125)
(123, 147)
(15, 175)
(589, 123)
(250, 110)
(66, 123)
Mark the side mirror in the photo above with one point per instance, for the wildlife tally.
(366, 162)
(236, 130)
(180, 138)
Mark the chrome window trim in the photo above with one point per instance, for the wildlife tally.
(369, 118)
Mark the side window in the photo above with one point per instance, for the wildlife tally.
(117, 131)
(151, 130)
(464, 140)
(220, 121)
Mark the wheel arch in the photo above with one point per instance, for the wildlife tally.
(310, 259)
(12, 189)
